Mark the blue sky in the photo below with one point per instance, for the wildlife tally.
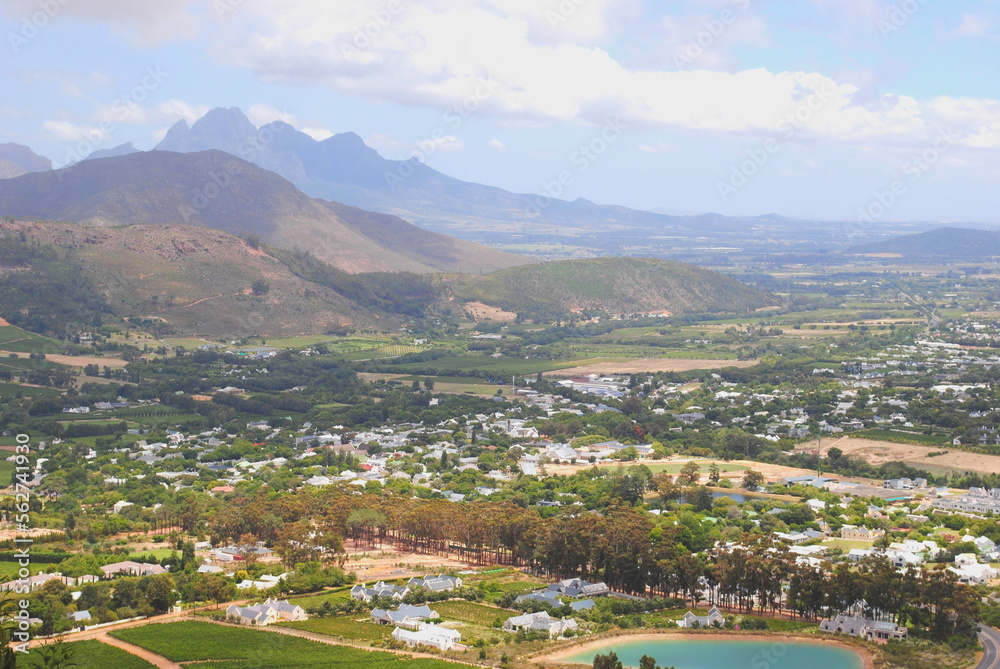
(816, 108)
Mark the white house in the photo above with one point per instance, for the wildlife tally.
(267, 612)
(406, 615)
(540, 622)
(691, 620)
(435, 636)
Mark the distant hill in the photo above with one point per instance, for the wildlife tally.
(120, 150)
(217, 190)
(344, 169)
(613, 285)
(940, 243)
(17, 159)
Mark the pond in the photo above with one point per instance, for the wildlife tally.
(716, 653)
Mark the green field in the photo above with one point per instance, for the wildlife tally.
(232, 647)
(355, 628)
(21, 341)
(13, 389)
(676, 469)
(512, 365)
(469, 612)
(97, 655)
(900, 437)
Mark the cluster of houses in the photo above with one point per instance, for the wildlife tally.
(267, 612)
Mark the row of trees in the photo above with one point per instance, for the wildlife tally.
(622, 547)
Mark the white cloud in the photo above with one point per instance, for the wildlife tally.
(436, 55)
(262, 114)
(319, 134)
(498, 145)
(71, 132)
(149, 23)
(125, 111)
(971, 25)
(658, 147)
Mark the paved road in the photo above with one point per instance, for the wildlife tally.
(990, 638)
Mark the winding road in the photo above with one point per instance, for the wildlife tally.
(990, 638)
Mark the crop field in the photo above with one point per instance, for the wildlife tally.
(97, 655)
(470, 612)
(232, 648)
(21, 341)
(333, 596)
(355, 628)
(13, 390)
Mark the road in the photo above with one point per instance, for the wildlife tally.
(990, 638)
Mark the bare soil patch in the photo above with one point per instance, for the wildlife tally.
(641, 365)
(484, 312)
(83, 361)
(880, 452)
(3, 323)
(387, 561)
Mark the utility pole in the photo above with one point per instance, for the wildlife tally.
(819, 452)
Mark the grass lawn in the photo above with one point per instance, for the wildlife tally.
(231, 647)
(97, 655)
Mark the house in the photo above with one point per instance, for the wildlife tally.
(209, 569)
(267, 612)
(81, 618)
(875, 630)
(575, 587)
(119, 505)
(690, 620)
(130, 568)
(547, 597)
(406, 615)
(380, 589)
(974, 574)
(33, 583)
(434, 636)
(853, 533)
(541, 621)
(440, 583)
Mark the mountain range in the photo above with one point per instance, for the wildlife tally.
(217, 190)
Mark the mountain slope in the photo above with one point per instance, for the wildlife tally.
(215, 189)
(193, 280)
(17, 159)
(940, 243)
(612, 285)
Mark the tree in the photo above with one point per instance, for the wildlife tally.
(753, 479)
(690, 472)
(260, 287)
(714, 472)
(609, 661)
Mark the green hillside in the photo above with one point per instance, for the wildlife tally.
(612, 285)
(941, 243)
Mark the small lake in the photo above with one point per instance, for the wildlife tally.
(715, 653)
(716, 495)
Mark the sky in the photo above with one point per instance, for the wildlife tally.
(826, 109)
